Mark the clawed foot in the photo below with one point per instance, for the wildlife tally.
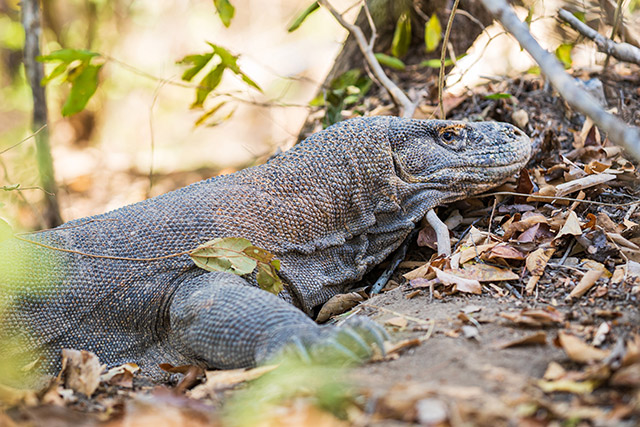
(356, 340)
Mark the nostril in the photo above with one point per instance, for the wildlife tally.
(517, 131)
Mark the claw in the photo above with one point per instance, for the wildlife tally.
(379, 336)
(358, 339)
(300, 349)
(335, 345)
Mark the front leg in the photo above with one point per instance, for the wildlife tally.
(220, 320)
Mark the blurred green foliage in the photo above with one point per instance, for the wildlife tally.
(345, 91)
(324, 385)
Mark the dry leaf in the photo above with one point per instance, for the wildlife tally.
(536, 317)
(222, 380)
(461, 284)
(484, 273)
(120, 375)
(571, 226)
(468, 254)
(537, 338)
(398, 322)
(578, 350)
(588, 280)
(536, 262)
(81, 371)
(422, 272)
(504, 251)
(554, 371)
(338, 304)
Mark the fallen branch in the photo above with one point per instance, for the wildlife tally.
(618, 131)
(621, 51)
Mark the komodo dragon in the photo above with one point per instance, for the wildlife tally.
(330, 209)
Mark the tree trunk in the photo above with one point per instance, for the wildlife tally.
(35, 73)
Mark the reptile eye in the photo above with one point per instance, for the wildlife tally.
(447, 136)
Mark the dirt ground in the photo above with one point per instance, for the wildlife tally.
(533, 321)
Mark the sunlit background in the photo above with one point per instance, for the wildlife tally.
(103, 155)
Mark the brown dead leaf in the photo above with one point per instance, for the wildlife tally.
(427, 238)
(588, 280)
(504, 251)
(537, 338)
(528, 220)
(578, 350)
(120, 375)
(460, 284)
(226, 379)
(338, 304)
(398, 322)
(484, 273)
(609, 226)
(571, 226)
(525, 185)
(595, 166)
(554, 371)
(398, 347)
(627, 376)
(468, 254)
(545, 190)
(81, 371)
(536, 262)
(420, 272)
(535, 317)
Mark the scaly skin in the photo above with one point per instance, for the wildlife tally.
(330, 209)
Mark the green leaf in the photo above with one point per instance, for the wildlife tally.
(225, 10)
(10, 187)
(401, 36)
(563, 53)
(59, 70)
(224, 254)
(209, 113)
(346, 79)
(581, 16)
(529, 17)
(207, 84)
(83, 85)
(198, 61)
(534, 70)
(390, 61)
(498, 96)
(68, 55)
(435, 63)
(250, 82)
(304, 15)
(231, 62)
(432, 33)
(268, 278)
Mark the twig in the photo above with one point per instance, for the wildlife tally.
(398, 257)
(398, 96)
(24, 140)
(443, 52)
(621, 51)
(554, 198)
(617, 130)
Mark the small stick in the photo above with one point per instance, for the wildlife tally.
(621, 51)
